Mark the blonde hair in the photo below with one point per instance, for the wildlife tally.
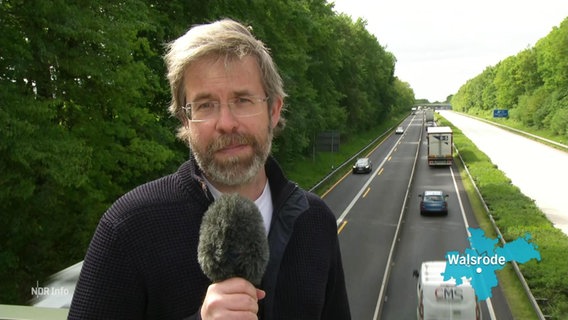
(226, 39)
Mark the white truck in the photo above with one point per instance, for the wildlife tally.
(440, 141)
(429, 116)
(439, 299)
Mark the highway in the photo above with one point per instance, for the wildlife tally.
(379, 225)
(544, 182)
(372, 208)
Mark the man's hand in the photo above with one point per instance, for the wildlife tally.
(234, 298)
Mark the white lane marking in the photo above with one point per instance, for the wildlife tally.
(466, 224)
(350, 206)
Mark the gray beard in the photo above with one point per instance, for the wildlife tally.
(233, 171)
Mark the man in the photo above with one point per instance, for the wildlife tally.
(142, 261)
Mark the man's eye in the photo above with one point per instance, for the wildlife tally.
(204, 106)
(243, 101)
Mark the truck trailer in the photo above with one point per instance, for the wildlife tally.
(443, 299)
(440, 146)
(429, 115)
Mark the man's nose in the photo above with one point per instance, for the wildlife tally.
(226, 121)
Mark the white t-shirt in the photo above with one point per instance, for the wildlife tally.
(264, 203)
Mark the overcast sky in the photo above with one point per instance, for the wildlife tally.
(440, 44)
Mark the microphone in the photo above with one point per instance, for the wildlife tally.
(232, 240)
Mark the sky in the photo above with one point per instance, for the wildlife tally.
(441, 44)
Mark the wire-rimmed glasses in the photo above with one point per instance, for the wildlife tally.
(240, 107)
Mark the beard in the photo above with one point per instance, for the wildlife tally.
(235, 170)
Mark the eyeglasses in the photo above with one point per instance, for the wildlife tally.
(241, 107)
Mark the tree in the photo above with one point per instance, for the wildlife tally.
(84, 107)
(78, 131)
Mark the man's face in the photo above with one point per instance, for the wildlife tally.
(230, 150)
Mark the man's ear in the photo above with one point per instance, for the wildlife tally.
(276, 111)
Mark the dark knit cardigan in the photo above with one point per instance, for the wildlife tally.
(142, 260)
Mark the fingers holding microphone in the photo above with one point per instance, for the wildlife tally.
(233, 254)
(234, 298)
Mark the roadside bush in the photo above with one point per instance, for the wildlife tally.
(516, 215)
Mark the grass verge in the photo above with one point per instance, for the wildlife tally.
(512, 289)
(308, 171)
(516, 215)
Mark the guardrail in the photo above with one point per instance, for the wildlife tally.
(348, 161)
(46, 308)
(518, 272)
(524, 133)
(32, 313)
(37, 312)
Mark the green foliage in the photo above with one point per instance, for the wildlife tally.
(77, 132)
(84, 107)
(531, 85)
(516, 215)
(309, 170)
(552, 57)
(559, 121)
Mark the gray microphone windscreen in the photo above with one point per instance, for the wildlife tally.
(232, 240)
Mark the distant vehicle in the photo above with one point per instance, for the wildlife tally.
(440, 146)
(399, 130)
(433, 201)
(429, 115)
(363, 165)
(439, 299)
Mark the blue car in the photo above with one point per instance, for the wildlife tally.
(433, 201)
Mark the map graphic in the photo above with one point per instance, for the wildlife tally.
(479, 263)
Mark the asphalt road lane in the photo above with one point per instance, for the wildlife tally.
(531, 166)
(370, 223)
